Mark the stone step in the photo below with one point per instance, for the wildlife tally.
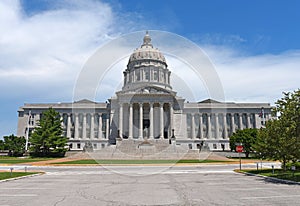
(140, 149)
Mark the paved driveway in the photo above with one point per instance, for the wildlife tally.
(137, 185)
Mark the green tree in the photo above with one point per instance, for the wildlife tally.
(280, 139)
(15, 145)
(247, 137)
(1, 144)
(47, 138)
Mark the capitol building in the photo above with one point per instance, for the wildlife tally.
(148, 109)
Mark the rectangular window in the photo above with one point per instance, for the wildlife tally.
(137, 74)
(95, 146)
(162, 76)
(155, 76)
(147, 75)
(78, 146)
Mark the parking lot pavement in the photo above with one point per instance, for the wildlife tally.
(207, 185)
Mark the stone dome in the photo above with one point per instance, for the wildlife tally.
(146, 52)
(146, 67)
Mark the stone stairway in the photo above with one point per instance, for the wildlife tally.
(140, 149)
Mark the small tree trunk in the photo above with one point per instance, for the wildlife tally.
(247, 154)
(284, 164)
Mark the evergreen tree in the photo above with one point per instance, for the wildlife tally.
(47, 138)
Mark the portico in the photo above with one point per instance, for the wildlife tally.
(145, 120)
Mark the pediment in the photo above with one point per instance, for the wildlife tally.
(209, 101)
(84, 101)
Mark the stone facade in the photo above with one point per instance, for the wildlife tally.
(148, 108)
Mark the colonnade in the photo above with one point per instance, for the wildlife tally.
(212, 129)
(152, 119)
(85, 129)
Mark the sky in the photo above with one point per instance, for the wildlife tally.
(254, 45)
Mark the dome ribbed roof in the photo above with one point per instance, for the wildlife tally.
(147, 52)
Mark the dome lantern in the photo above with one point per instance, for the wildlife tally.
(147, 40)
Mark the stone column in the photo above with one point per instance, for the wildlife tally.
(141, 75)
(150, 75)
(133, 79)
(217, 126)
(193, 126)
(69, 126)
(37, 119)
(121, 120)
(225, 126)
(232, 123)
(61, 120)
(257, 122)
(76, 135)
(107, 127)
(130, 121)
(241, 121)
(141, 121)
(84, 126)
(100, 134)
(92, 135)
(161, 105)
(151, 121)
(158, 75)
(201, 125)
(248, 121)
(171, 118)
(208, 127)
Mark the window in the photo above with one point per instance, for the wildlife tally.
(215, 146)
(147, 75)
(162, 76)
(155, 76)
(78, 146)
(137, 74)
(95, 146)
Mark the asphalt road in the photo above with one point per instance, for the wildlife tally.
(146, 185)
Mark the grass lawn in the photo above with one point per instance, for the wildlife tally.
(92, 161)
(278, 173)
(7, 175)
(15, 160)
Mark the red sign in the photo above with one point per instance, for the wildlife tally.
(239, 148)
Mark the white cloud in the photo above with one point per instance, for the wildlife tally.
(49, 48)
(255, 78)
(41, 54)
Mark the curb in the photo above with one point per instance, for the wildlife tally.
(22, 177)
(270, 178)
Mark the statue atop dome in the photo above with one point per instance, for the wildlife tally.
(147, 40)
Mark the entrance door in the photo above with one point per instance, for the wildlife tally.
(146, 125)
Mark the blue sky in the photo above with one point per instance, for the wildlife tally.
(254, 45)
